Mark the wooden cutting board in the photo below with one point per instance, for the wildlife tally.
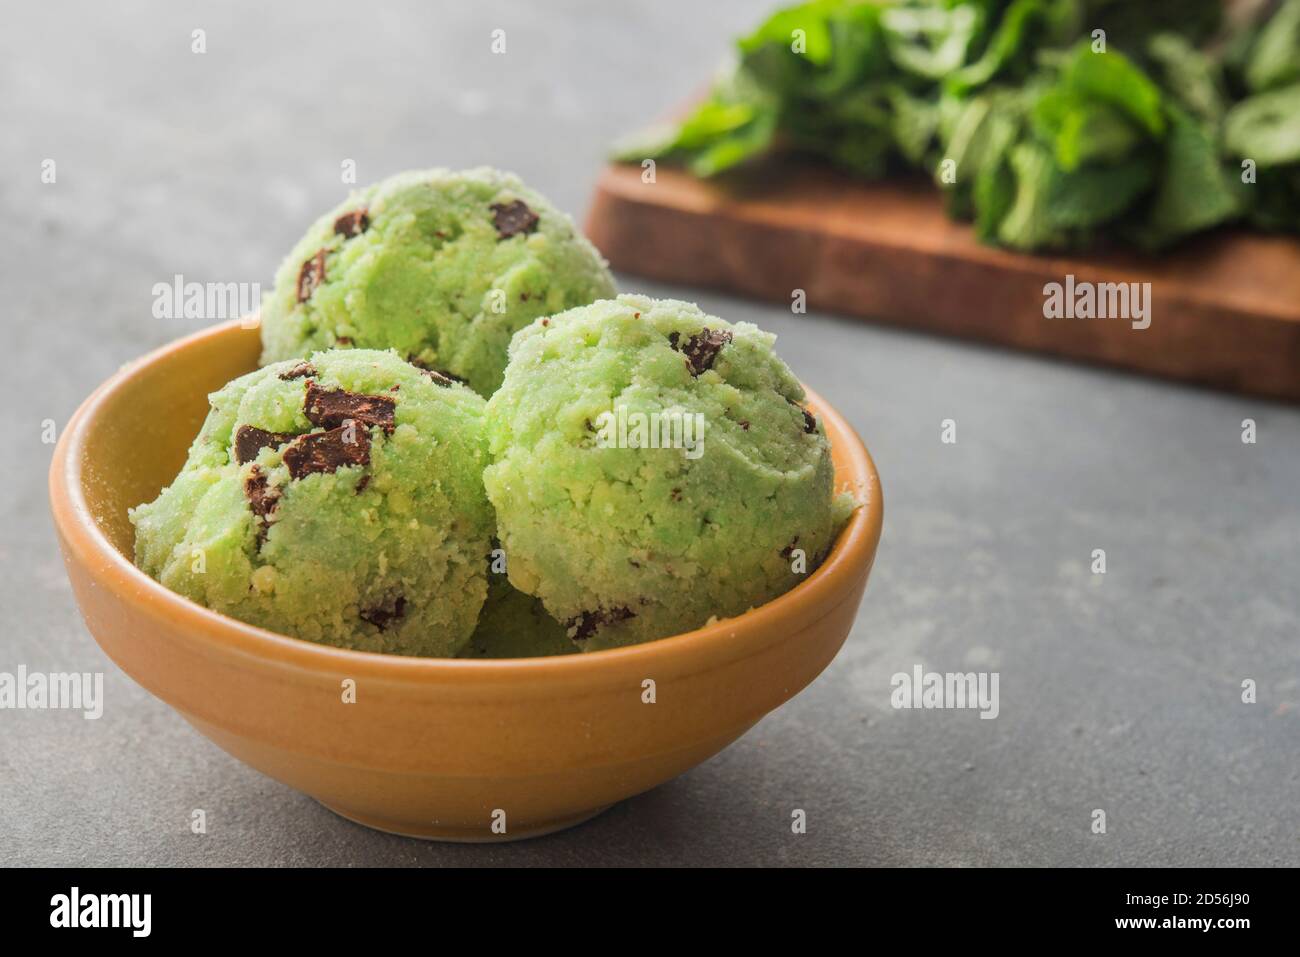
(1224, 307)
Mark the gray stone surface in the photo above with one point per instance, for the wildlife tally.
(1119, 692)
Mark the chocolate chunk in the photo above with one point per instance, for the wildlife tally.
(744, 424)
(513, 218)
(353, 224)
(381, 616)
(249, 440)
(333, 407)
(788, 551)
(702, 348)
(587, 623)
(311, 275)
(326, 451)
(301, 371)
(809, 421)
(440, 376)
(262, 499)
(444, 379)
(361, 485)
(343, 340)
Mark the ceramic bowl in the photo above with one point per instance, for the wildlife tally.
(450, 749)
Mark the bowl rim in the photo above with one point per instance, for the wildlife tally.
(851, 556)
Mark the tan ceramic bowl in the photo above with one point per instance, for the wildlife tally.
(431, 747)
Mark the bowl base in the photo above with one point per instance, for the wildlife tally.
(466, 835)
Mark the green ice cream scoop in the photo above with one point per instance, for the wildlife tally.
(653, 468)
(337, 499)
(441, 266)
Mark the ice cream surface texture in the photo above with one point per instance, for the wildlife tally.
(653, 467)
(441, 266)
(337, 499)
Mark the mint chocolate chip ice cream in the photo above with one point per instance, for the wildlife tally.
(443, 267)
(626, 525)
(338, 499)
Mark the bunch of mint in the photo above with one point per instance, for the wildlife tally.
(1048, 123)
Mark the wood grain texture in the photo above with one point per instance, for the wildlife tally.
(1225, 307)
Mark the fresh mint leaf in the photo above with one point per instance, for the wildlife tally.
(1190, 77)
(930, 41)
(1025, 26)
(1275, 57)
(1028, 223)
(1093, 195)
(1081, 130)
(1193, 191)
(1265, 128)
(1112, 78)
(994, 191)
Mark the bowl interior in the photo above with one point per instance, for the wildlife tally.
(141, 433)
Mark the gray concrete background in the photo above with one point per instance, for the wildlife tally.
(1119, 692)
